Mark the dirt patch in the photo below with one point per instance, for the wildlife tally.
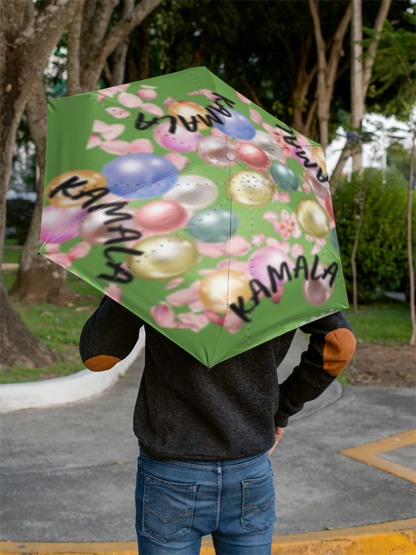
(382, 365)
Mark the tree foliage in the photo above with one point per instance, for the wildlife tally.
(395, 67)
(382, 252)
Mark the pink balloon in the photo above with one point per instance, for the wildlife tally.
(180, 141)
(318, 292)
(60, 224)
(268, 256)
(162, 216)
(253, 156)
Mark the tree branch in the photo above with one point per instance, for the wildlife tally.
(100, 22)
(73, 85)
(336, 49)
(87, 19)
(40, 36)
(309, 117)
(120, 53)
(121, 30)
(372, 49)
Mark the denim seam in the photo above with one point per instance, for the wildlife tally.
(218, 507)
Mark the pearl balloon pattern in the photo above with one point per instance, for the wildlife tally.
(189, 199)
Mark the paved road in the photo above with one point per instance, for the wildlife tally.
(68, 473)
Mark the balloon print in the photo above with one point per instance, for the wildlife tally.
(312, 218)
(163, 257)
(213, 225)
(237, 126)
(140, 176)
(223, 287)
(194, 192)
(251, 188)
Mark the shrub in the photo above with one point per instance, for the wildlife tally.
(19, 215)
(381, 258)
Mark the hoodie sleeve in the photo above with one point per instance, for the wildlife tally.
(108, 336)
(331, 346)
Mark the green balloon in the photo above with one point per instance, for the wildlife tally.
(213, 225)
(284, 176)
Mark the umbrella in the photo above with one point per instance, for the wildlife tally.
(195, 209)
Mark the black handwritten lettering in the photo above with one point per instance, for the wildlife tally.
(301, 265)
(125, 235)
(241, 310)
(191, 125)
(141, 124)
(121, 274)
(292, 140)
(276, 276)
(64, 187)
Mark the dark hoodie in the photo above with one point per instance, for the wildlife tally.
(186, 412)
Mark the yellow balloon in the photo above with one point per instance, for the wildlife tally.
(94, 180)
(312, 218)
(164, 257)
(187, 110)
(223, 287)
(251, 188)
(319, 157)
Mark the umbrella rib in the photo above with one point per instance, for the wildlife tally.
(228, 276)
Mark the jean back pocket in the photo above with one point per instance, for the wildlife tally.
(258, 510)
(168, 508)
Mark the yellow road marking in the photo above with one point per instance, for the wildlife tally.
(397, 537)
(368, 454)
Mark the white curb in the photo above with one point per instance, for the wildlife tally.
(59, 391)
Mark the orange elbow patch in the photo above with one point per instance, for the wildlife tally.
(338, 350)
(101, 362)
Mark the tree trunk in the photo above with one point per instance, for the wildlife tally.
(357, 104)
(327, 69)
(144, 64)
(304, 79)
(38, 279)
(120, 53)
(409, 239)
(132, 65)
(26, 42)
(99, 44)
(368, 70)
(18, 345)
(345, 154)
(357, 236)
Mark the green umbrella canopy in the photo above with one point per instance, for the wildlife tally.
(193, 208)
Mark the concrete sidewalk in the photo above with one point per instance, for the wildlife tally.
(68, 473)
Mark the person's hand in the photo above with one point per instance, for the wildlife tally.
(278, 434)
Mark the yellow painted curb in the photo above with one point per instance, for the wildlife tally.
(368, 454)
(390, 538)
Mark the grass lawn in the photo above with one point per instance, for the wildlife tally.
(12, 255)
(9, 241)
(59, 328)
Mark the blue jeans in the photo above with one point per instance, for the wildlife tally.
(179, 502)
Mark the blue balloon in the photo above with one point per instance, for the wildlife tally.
(139, 176)
(213, 225)
(236, 126)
